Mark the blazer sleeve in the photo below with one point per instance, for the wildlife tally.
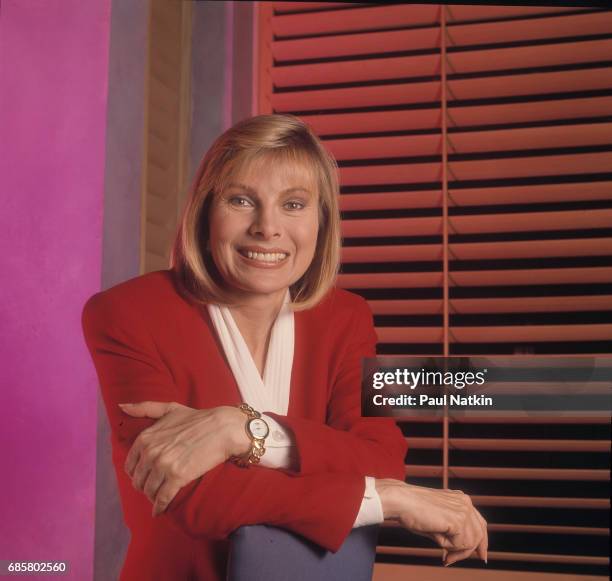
(349, 442)
(320, 507)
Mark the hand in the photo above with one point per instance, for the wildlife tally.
(446, 516)
(181, 446)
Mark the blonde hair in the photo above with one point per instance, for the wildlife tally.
(282, 138)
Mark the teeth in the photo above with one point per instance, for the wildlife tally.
(266, 256)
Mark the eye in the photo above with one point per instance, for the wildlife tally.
(295, 205)
(240, 202)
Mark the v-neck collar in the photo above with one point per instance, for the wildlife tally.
(272, 392)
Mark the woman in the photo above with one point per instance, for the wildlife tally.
(248, 314)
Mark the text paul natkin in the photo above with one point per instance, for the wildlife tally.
(415, 379)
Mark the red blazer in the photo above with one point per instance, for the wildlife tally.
(149, 343)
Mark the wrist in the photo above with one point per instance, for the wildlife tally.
(256, 430)
(239, 441)
(390, 492)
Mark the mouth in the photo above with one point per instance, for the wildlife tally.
(263, 257)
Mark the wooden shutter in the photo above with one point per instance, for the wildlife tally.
(475, 151)
(167, 129)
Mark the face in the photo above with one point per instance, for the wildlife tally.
(263, 228)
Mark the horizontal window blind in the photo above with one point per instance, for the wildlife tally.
(475, 151)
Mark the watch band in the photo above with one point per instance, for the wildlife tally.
(253, 456)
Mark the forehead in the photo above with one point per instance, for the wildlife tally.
(280, 171)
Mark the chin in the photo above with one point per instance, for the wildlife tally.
(265, 290)
(260, 287)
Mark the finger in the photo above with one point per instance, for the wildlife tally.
(141, 473)
(483, 547)
(455, 556)
(132, 458)
(467, 548)
(148, 409)
(165, 495)
(442, 541)
(478, 527)
(465, 537)
(153, 484)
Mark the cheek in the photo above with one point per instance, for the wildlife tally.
(306, 237)
(222, 231)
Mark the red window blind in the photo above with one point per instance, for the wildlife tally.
(475, 151)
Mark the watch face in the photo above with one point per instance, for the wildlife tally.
(258, 428)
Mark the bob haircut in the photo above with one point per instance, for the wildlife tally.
(276, 138)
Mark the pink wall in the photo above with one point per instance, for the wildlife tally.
(53, 87)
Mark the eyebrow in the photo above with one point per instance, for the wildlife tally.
(252, 191)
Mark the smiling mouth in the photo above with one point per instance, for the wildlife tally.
(264, 257)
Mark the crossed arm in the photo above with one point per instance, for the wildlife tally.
(319, 500)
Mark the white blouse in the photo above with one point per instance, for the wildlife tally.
(271, 392)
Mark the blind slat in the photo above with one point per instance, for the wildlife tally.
(357, 19)
(548, 529)
(428, 92)
(534, 29)
(478, 472)
(509, 473)
(602, 274)
(531, 333)
(407, 307)
(392, 227)
(374, 121)
(549, 165)
(541, 501)
(356, 71)
(462, 13)
(357, 254)
(499, 555)
(409, 334)
(532, 529)
(577, 135)
(529, 84)
(557, 109)
(391, 200)
(531, 194)
(391, 174)
(288, 7)
(483, 169)
(391, 280)
(595, 274)
(400, 94)
(357, 44)
(531, 304)
(529, 222)
(584, 134)
(500, 59)
(532, 249)
(382, 147)
(511, 444)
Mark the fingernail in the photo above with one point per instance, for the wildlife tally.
(124, 405)
(485, 560)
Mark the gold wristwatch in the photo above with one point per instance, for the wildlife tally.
(257, 430)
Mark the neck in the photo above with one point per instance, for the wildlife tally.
(254, 315)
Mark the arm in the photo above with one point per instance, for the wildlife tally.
(281, 453)
(349, 443)
(320, 507)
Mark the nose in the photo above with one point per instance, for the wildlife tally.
(266, 224)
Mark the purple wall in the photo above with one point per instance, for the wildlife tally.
(53, 59)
